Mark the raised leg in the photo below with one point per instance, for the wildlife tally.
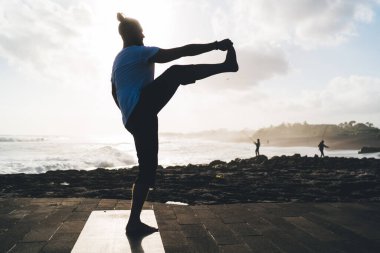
(162, 89)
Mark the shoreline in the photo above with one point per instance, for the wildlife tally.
(259, 179)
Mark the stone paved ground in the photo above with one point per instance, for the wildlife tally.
(54, 224)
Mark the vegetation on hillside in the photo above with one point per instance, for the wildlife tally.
(297, 130)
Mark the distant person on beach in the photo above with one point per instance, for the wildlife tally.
(140, 98)
(321, 147)
(257, 151)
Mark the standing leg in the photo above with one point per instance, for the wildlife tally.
(145, 133)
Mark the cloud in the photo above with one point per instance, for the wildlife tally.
(49, 38)
(255, 65)
(306, 23)
(354, 94)
(342, 98)
(44, 39)
(264, 30)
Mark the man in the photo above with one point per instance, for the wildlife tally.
(140, 98)
(257, 151)
(321, 147)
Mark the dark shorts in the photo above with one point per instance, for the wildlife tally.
(143, 122)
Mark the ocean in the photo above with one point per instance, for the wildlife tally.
(38, 154)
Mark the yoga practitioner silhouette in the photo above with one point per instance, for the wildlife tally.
(140, 98)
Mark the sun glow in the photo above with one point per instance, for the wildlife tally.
(105, 40)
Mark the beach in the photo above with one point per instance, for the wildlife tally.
(258, 179)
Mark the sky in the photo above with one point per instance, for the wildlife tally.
(300, 60)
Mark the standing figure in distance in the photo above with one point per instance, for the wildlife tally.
(140, 98)
(257, 151)
(321, 147)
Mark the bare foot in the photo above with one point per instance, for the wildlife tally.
(139, 228)
(230, 61)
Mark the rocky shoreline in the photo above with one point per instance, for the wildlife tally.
(279, 179)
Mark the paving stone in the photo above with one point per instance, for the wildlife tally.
(232, 218)
(90, 201)
(352, 241)
(357, 225)
(44, 209)
(19, 214)
(286, 242)
(235, 215)
(194, 230)
(236, 248)
(173, 238)
(29, 247)
(124, 201)
(7, 222)
(65, 237)
(260, 224)
(71, 202)
(220, 232)
(81, 216)
(243, 229)
(7, 242)
(199, 207)
(40, 233)
(58, 247)
(183, 210)
(35, 218)
(290, 209)
(7, 209)
(184, 219)
(106, 204)
(204, 244)
(168, 225)
(303, 238)
(14, 234)
(45, 202)
(86, 207)
(313, 229)
(254, 227)
(224, 239)
(58, 216)
(165, 215)
(259, 244)
(3, 231)
(148, 206)
(204, 214)
(178, 248)
(123, 206)
(22, 202)
(71, 227)
(73, 199)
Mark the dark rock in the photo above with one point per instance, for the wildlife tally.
(366, 150)
(278, 179)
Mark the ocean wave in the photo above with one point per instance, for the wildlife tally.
(34, 167)
(23, 139)
(106, 157)
(82, 158)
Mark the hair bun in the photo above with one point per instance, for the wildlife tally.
(121, 17)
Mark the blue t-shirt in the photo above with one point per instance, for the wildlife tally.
(131, 72)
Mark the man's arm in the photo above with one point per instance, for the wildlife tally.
(167, 55)
(114, 95)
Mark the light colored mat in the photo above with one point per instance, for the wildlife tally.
(104, 232)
